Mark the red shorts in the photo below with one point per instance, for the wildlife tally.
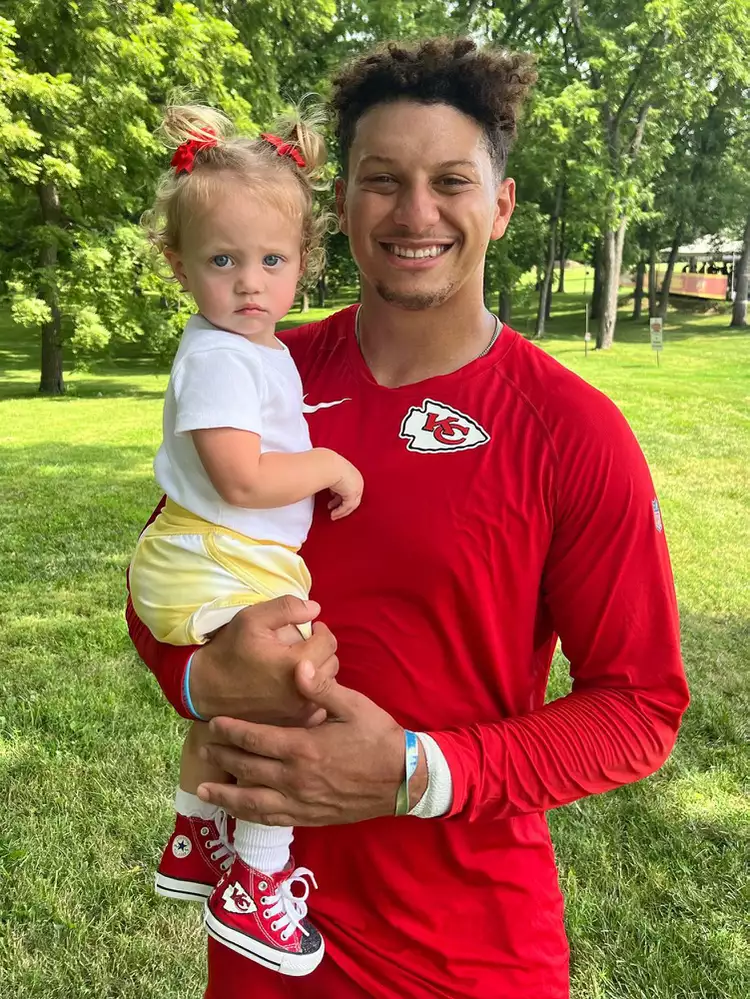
(233, 977)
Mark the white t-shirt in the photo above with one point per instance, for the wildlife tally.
(220, 379)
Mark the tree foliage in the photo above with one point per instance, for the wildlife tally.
(639, 124)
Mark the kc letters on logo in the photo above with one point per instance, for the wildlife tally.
(236, 899)
(434, 426)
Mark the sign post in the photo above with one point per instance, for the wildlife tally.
(656, 327)
(586, 335)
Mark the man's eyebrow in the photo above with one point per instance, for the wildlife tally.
(447, 165)
(454, 163)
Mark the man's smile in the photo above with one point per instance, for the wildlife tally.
(415, 255)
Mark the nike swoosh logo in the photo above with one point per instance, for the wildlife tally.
(321, 405)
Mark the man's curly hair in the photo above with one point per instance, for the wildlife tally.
(488, 86)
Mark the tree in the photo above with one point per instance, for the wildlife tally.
(742, 284)
(647, 65)
(556, 158)
(509, 258)
(83, 86)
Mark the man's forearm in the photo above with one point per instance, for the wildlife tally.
(582, 744)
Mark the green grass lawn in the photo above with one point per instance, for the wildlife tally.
(654, 875)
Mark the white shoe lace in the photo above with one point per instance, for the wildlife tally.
(223, 848)
(291, 909)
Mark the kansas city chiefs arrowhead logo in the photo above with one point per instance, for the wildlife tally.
(236, 899)
(433, 426)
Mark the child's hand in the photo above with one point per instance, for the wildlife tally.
(347, 491)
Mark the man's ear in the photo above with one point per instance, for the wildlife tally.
(340, 189)
(178, 268)
(504, 205)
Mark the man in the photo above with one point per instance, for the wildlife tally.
(506, 503)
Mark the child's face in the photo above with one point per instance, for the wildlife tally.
(240, 259)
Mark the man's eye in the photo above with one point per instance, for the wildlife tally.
(381, 178)
(454, 181)
(272, 260)
(221, 260)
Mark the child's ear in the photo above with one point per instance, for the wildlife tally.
(178, 268)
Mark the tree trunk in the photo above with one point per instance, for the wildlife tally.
(596, 294)
(504, 305)
(652, 279)
(614, 241)
(666, 283)
(739, 310)
(545, 291)
(322, 290)
(563, 248)
(51, 381)
(304, 305)
(640, 274)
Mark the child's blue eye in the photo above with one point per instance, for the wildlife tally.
(222, 260)
(271, 260)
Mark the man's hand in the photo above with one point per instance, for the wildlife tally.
(347, 769)
(246, 671)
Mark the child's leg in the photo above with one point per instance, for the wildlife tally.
(266, 848)
(199, 850)
(193, 770)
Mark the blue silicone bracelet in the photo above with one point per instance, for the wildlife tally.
(186, 692)
(411, 749)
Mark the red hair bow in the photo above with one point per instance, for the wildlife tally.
(285, 148)
(183, 160)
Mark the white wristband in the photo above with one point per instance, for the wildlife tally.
(438, 796)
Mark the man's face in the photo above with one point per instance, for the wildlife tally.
(421, 202)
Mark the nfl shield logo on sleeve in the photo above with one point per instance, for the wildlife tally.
(657, 514)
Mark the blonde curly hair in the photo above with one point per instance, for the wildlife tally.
(277, 179)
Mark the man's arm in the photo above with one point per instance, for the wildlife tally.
(608, 589)
(166, 662)
(609, 592)
(244, 671)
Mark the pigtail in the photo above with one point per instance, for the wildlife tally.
(302, 128)
(183, 122)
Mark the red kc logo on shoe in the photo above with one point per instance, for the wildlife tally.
(236, 899)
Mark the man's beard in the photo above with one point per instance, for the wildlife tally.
(414, 301)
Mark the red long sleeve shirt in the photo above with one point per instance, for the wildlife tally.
(505, 504)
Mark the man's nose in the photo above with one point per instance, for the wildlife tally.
(416, 207)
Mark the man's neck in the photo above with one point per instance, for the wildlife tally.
(402, 346)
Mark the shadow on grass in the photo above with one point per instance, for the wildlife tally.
(568, 322)
(91, 388)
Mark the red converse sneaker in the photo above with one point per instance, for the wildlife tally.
(259, 916)
(197, 854)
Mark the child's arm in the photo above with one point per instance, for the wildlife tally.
(244, 477)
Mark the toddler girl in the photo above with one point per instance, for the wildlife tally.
(234, 218)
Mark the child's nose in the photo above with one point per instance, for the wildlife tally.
(249, 280)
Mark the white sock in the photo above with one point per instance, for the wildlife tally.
(266, 848)
(191, 805)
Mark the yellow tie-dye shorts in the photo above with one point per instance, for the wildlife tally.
(189, 577)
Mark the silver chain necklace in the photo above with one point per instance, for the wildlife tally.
(487, 349)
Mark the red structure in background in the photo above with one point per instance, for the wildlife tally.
(693, 285)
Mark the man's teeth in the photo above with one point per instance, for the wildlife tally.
(427, 251)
